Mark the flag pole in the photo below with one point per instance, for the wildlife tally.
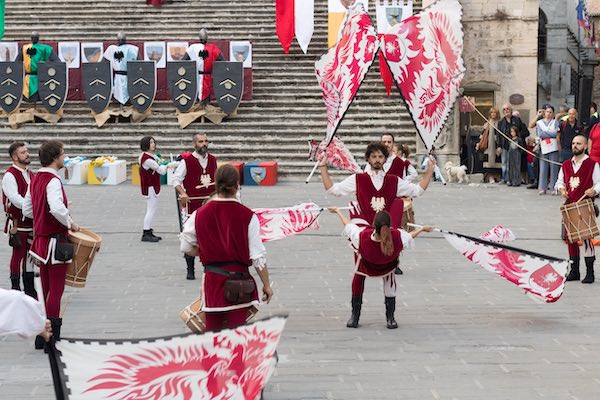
(312, 172)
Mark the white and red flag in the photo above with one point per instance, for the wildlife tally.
(229, 364)
(499, 234)
(294, 18)
(541, 277)
(279, 223)
(336, 154)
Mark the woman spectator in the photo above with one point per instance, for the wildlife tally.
(547, 131)
(514, 157)
(487, 146)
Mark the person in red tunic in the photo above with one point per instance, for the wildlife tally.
(194, 181)
(579, 177)
(226, 236)
(46, 202)
(14, 188)
(150, 173)
(378, 247)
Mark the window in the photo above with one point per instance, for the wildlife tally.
(484, 101)
(542, 36)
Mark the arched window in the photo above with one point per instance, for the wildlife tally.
(542, 36)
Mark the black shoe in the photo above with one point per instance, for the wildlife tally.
(390, 309)
(56, 324)
(15, 282)
(589, 267)
(152, 234)
(29, 286)
(574, 273)
(356, 306)
(189, 260)
(398, 271)
(534, 185)
(147, 237)
(39, 342)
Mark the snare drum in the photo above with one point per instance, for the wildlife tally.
(579, 220)
(195, 318)
(85, 246)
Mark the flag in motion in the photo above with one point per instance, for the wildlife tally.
(279, 223)
(541, 277)
(336, 154)
(229, 364)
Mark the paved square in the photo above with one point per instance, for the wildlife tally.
(463, 332)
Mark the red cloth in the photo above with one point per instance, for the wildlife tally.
(595, 138)
(373, 262)
(148, 177)
(213, 54)
(53, 284)
(222, 235)
(193, 178)
(368, 197)
(386, 74)
(221, 320)
(284, 23)
(584, 181)
(14, 212)
(155, 3)
(399, 167)
(18, 258)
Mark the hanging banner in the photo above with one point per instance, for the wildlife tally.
(284, 23)
(68, 52)
(304, 17)
(8, 51)
(241, 51)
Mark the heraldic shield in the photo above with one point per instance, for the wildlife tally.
(228, 84)
(53, 81)
(97, 85)
(11, 85)
(141, 84)
(182, 83)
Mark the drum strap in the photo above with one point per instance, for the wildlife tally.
(215, 268)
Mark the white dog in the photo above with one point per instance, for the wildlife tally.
(456, 174)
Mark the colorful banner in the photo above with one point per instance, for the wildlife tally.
(337, 154)
(229, 364)
(284, 23)
(279, 223)
(541, 277)
(304, 21)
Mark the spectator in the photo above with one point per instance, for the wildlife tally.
(563, 110)
(532, 162)
(593, 119)
(547, 130)
(487, 147)
(593, 146)
(502, 142)
(524, 135)
(514, 157)
(567, 130)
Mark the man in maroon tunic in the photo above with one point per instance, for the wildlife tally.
(46, 202)
(226, 236)
(579, 177)
(194, 181)
(14, 188)
(375, 191)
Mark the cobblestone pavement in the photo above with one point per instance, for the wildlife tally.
(464, 333)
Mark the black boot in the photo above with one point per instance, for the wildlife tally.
(189, 260)
(147, 237)
(39, 342)
(574, 274)
(153, 235)
(29, 285)
(356, 306)
(56, 324)
(15, 282)
(398, 271)
(390, 309)
(589, 268)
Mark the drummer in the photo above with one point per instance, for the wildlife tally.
(193, 178)
(579, 177)
(46, 203)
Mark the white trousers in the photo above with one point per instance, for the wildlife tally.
(389, 285)
(151, 204)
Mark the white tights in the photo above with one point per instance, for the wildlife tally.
(151, 204)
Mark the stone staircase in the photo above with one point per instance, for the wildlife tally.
(286, 110)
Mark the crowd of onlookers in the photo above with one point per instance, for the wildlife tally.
(505, 161)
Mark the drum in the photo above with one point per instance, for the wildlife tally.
(194, 317)
(408, 215)
(579, 220)
(85, 246)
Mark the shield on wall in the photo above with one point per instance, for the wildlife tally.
(228, 84)
(52, 85)
(183, 84)
(97, 85)
(11, 85)
(141, 84)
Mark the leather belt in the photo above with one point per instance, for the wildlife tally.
(215, 268)
(121, 72)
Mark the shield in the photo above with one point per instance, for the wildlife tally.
(11, 85)
(228, 84)
(183, 84)
(97, 85)
(141, 84)
(52, 85)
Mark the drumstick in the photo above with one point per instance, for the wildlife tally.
(582, 197)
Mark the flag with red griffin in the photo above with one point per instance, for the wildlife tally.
(279, 223)
(336, 154)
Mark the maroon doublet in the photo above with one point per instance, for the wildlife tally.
(373, 262)
(199, 182)
(372, 200)
(398, 167)
(24, 225)
(148, 177)
(222, 235)
(45, 225)
(578, 182)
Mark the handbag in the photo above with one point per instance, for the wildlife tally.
(63, 249)
(239, 291)
(483, 143)
(14, 241)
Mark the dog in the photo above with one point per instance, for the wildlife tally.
(458, 174)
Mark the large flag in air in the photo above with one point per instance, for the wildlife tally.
(229, 364)
(279, 223)
(337, 154)
(541, 277)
